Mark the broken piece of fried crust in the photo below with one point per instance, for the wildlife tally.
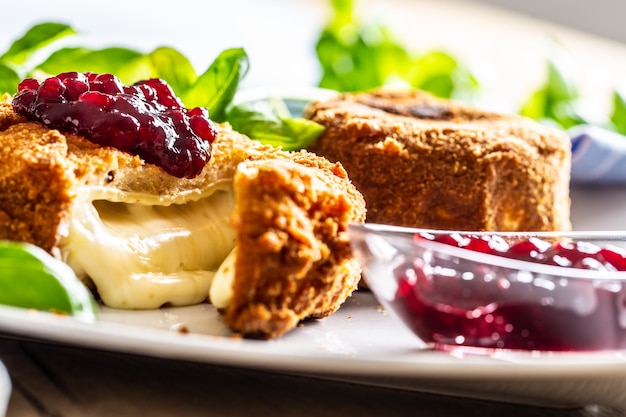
(291, 216)
(295, 255)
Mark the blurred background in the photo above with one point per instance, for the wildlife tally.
(601, 17)
(559, 61)
(504, 44)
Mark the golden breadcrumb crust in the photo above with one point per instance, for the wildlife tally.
(422, 161)
(296, 260)
(36, 187)
(292, 212)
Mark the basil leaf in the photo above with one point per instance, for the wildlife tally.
(34, 39)
(566, 114)
(442, 74)
(271, 123)
(301, 131)
(216, 88)
(561, 84)
(556, 101)
(535, 106)
(358, 57)
(618, 113)
(343, 12)
(173, 67)
(32, 278)
(127, 64)
(9, 79)
(348, 51)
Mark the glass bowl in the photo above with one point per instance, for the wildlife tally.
(565, 293)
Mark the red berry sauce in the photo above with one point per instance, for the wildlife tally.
(487, 307)
(145, 119)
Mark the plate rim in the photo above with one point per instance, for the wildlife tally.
(268, 354)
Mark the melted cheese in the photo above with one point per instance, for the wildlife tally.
(142, 256)
(221, 291)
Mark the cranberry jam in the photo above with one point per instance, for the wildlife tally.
(483, 291)
(451, 302)
(145, 119)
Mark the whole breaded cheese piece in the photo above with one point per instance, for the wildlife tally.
(422, 161)
(142, 238)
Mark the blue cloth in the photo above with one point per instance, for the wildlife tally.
(598, 156)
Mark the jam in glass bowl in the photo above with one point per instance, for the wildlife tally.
(541, 291)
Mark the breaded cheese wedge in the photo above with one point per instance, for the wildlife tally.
(290, 223)
(141, 238)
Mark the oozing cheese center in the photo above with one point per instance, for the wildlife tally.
(221, 291)
(142, 256)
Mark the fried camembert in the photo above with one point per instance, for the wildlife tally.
(260, 232)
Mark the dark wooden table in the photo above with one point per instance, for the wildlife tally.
(64, 381)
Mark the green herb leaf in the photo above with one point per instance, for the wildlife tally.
(343, 13)
(9, 79)
(355, 56)
(561, 83)
(301, 132)
(31, 278)
(348, 51)
(556, 101)
(34, 39)
(359, 58)
(216, 88)
(441, 74)
(566, 114)
(618, 113)
(173, 67)
(535, 106)
(129, 65)
(270, 122)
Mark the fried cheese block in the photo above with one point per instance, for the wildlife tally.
(141, 238)
(423, 161)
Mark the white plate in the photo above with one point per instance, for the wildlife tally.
(359, 343)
